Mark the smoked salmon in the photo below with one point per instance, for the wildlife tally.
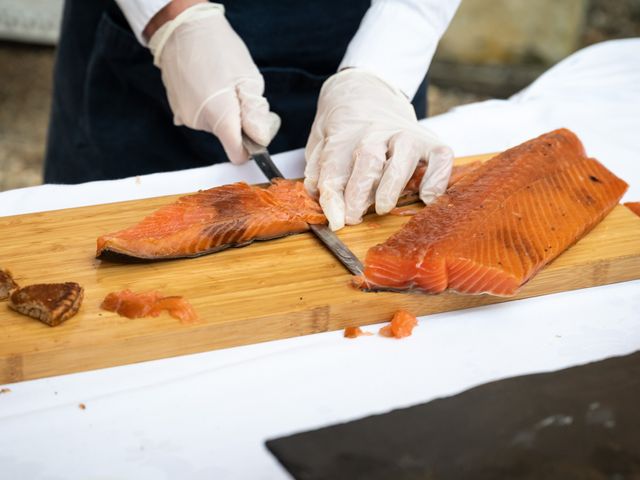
(51, 303)
(499, 224)
(7, 283)
(634, 207)
(211, 220)
(227, 216)
(149, 304)
(355, 332)
(402, 325)
(457, 173)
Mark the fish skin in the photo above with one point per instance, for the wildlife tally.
(500, 224)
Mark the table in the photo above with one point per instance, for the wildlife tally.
(207, 415)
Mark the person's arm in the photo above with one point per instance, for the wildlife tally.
(139, 12)
(366, 142)
(211, 80)
(397, 39)
(170, 11)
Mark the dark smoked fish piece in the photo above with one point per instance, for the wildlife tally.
(7, 283)
(51, 303)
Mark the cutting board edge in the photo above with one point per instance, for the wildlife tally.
(30, 365)
(18, 367)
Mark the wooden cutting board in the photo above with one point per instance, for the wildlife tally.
(266, 291)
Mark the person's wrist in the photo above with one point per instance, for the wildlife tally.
(170, 11)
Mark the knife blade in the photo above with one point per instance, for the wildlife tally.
(261, 156)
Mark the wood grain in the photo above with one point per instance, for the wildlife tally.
(268, 290)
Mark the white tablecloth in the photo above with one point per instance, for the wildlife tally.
(207, 416)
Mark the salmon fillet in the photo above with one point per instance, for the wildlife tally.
(458, 172)
(227, 216)
(214, 219)
(634, 207)
(498, 225)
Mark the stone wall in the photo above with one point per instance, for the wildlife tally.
(514, 31)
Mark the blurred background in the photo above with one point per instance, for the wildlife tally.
(492, 49)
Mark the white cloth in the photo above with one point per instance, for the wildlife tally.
(208, 415)
(396, 39)
(139, 12)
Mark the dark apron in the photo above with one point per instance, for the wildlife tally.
(110, 116)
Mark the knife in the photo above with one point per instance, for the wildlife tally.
(330, 240)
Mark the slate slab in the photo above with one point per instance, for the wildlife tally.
(578, 423)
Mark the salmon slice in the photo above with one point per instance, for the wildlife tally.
(499, 224)
(634, 207)
(149, 304)
(214, 219)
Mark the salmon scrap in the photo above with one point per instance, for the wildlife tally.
(150, 304)
(7, 283)
(404, 212)
(354, 332)
(402, 325)
(500, 224)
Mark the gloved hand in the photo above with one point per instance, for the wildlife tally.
(365, 144)
(211, 81)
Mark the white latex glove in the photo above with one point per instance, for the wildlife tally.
(211, 80)
(365, 144)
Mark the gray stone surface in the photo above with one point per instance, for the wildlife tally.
(35, 21)
(579, 423)
(25, 99)
(514, 31)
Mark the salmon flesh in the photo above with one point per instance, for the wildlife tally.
(214, 219)
(634, 207)
(500, 224)
(229, 216)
